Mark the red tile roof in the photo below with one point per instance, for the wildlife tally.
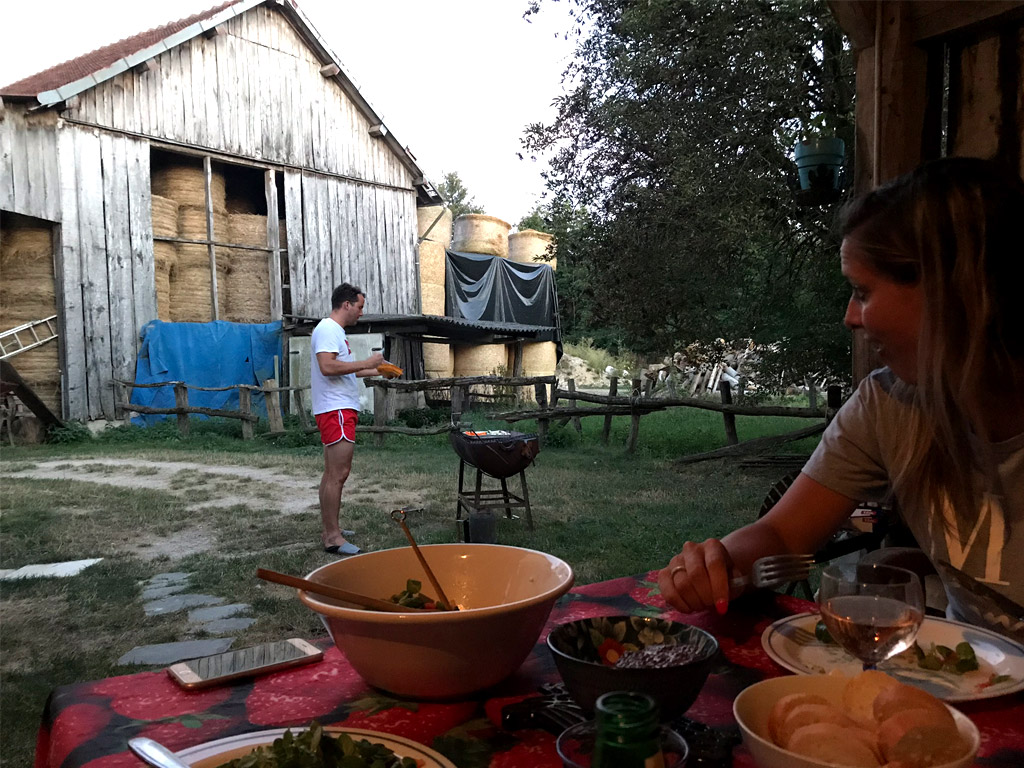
(101, 58)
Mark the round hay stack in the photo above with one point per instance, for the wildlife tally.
(540, 358)
(432, 297)
(530, 247)
(480, 360)
(247, 284)
(478, 233)
(441, 232)
(432, 263)
(28, 293)
(185, 184)
(165, 255)
(438, 361)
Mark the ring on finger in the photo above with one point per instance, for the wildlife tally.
(677, 569)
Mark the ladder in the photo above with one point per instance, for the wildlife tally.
(27, 336)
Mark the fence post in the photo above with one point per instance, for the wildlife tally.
(273, 402)
(380, 416)
(300, 405)
(634, 419)
(181, 404)
(812, 392)
(833, 400)
(458, 393)
(729, 418)
(541, 391)
(613, 390)
(245, 406)
(572, 404)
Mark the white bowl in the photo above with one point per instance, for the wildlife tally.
(754, 704)
(505, 595)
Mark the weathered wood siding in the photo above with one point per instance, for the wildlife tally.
(105, 269)
(254, 90)
(29, 180)
(343, 231)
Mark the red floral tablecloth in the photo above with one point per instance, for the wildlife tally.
(89, 724)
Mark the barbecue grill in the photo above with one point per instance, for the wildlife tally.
(499, 454)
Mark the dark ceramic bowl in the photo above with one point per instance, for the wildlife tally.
(586, 653)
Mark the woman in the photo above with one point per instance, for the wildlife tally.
(933, 259)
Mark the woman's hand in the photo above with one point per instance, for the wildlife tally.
(698, 577)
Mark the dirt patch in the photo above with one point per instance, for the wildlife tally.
(576, 368)
(203, 487)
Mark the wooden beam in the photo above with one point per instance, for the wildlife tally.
(211, 33)
(857, 19)
(207, 178)
(942, 18)
(330, 70)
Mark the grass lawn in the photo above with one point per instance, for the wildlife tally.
(605, 512)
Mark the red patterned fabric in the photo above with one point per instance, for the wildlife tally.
(89, 724)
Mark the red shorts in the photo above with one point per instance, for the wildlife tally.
(336, 426)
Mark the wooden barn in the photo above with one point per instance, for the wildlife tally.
(223, 166)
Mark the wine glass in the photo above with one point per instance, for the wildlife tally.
(873, 611)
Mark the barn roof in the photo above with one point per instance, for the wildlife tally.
(55, 85)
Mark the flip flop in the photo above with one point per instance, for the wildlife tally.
(348, 548)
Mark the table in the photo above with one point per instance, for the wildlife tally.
(89, 724)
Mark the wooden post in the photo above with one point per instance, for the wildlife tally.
(613, 390)
(812, 392)
(458, 395)
(208, 176)
(245, 406)
(274, 244)
(648, 386)
(181, 403)
(572, 404)
(300, 404)
(729, 418)
(833, 400)
(634, 419)
(541, 390)
(273, 403)
(381, 403)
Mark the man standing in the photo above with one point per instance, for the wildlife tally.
(333, 375)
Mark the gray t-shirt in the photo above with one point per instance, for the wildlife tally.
(853, 459)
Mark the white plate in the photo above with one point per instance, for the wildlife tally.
(791, 642)
(235, 746)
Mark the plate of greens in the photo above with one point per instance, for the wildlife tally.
(951, 660)
(313, 747)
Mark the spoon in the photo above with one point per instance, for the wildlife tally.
(154, 753)
(373, 603)
(398, 515)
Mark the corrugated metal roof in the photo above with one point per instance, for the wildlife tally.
(94, 61)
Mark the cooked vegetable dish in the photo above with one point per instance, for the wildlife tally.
(313, 748)
(412, 597)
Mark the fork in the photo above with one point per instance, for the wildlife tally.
(774, 570)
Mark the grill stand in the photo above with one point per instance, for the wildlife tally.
(479, 501)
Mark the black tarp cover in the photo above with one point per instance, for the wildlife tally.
(481, 287)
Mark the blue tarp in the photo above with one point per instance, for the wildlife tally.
(217, 354)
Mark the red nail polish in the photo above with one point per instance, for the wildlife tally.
(721, 606)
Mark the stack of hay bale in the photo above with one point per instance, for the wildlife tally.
(478, 233)
(532, 247)
(28, 293)
(438, 359)
(189, 286)
(247, 285)
(165, 255)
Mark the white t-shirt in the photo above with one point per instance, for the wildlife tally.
(331, 393)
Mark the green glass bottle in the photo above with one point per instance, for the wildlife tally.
(628, 733)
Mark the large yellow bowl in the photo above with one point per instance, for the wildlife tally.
(505, 595)
(755, 703)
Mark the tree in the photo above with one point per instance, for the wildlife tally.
(675, 138)
(458, 198)
(537, 219)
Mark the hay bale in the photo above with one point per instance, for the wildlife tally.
(190, 285)
(438, 361)
(192, 224)
(441, 232)
(184, 183)
(247, 285)
(28, 293)
(480, 360)
(432, 299)
(530, 247)
(165, 217)
(432, 263)
(540, 358)
(165, 258)
(478, 233)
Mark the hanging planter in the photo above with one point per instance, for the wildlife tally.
(819, 161)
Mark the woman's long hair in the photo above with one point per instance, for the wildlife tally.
(955, 227)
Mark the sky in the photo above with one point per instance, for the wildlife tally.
(457, 81)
